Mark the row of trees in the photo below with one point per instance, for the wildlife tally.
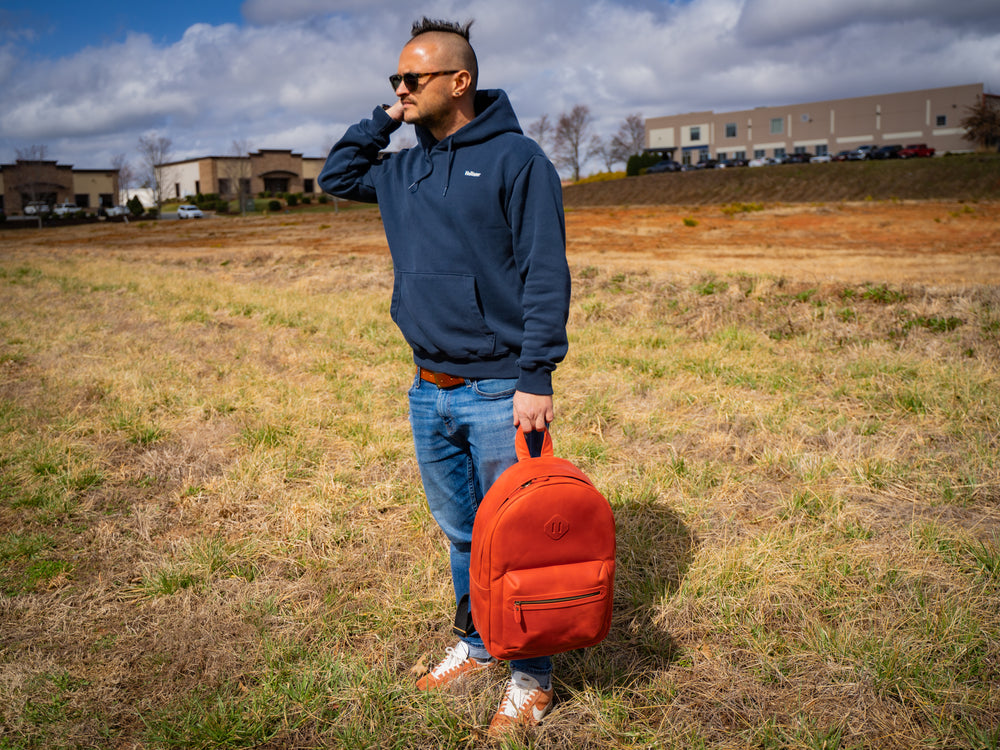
(571, 142)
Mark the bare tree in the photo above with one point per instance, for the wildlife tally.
(155, 151)
(630, 138)
(237, 172)
(982, 122)
(126, 177)
(572, 138)
(605, 150)
(31, 160)
(540, 131)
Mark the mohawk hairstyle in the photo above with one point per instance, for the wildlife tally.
(425, 25)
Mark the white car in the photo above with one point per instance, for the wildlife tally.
(36, 207)
(65, 209)
(821, 159)
(189, 211)
(116, 211)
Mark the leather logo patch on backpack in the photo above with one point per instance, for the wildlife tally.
(556, 528)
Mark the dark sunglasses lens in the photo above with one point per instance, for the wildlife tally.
(410, 80)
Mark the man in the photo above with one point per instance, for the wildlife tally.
(474, 219)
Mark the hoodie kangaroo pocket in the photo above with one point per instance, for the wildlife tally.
(439, 314)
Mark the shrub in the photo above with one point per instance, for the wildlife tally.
(293, 199)
(134, 205)
(639, 162)
(274, 206)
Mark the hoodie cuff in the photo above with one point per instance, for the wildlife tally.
(383, 123)
(538, 382)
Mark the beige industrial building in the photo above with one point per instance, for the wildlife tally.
(265, 171)
(48, 182)
(929, 116)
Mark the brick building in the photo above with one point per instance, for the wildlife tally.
(931, 116)
(49, 182)
(264, 171)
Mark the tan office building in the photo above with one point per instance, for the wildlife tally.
(930, 116)
(265, 171)
(49, 182)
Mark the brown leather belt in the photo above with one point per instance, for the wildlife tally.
(439, 378)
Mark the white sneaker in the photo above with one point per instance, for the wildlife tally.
(453, 669)
(524, 705)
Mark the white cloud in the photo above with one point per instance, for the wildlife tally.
(302, 70)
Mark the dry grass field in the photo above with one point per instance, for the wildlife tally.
(212, 532)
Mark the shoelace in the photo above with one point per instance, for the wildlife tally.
(454, 658)
(516, 698)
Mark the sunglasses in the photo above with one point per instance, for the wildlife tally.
(412, 80)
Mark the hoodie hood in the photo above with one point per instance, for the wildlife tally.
(494, 116)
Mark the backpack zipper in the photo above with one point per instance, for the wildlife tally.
(519, 613)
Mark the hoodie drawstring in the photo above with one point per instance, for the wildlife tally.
(451, 160)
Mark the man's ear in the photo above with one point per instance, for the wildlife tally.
(461, 83)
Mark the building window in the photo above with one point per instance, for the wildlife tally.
(777, 125)
(942, 120)
(307, 186)
(82, 200)
(197, 187)
(740, 155)
(107, 200)
(730, 130)
(779, 152)
(224, 188)
(759, 153)
(800, 149)
(821, 150)
(695, 132)
(276, 184)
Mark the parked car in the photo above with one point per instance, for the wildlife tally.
(667, 165)
(65, 209)
(762, 161)
(915, 150)
(33, 208)
(860, 153)
(841, 156)
(821, 159)
(189, 211)
(799, 157)
(727, 163)
(887, 152)
(114, 211)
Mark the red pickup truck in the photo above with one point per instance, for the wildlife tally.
(915, 150)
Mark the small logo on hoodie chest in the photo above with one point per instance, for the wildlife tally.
(470, 173)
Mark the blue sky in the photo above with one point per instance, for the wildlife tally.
(58, 28)
(86, 80)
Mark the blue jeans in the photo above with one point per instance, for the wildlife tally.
(464, 439)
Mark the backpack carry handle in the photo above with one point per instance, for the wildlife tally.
(534, 444)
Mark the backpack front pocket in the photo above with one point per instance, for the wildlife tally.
(550, 610)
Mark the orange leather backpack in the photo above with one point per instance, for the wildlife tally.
(543, 557)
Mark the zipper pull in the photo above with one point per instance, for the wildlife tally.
(518, 613)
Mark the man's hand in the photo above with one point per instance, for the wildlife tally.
(532, 412)
(395, 110)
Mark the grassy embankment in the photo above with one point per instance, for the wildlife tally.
(967, 177)
(212, 533)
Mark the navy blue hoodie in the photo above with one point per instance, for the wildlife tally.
(477, 234)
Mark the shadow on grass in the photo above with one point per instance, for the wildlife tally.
(654, 551)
